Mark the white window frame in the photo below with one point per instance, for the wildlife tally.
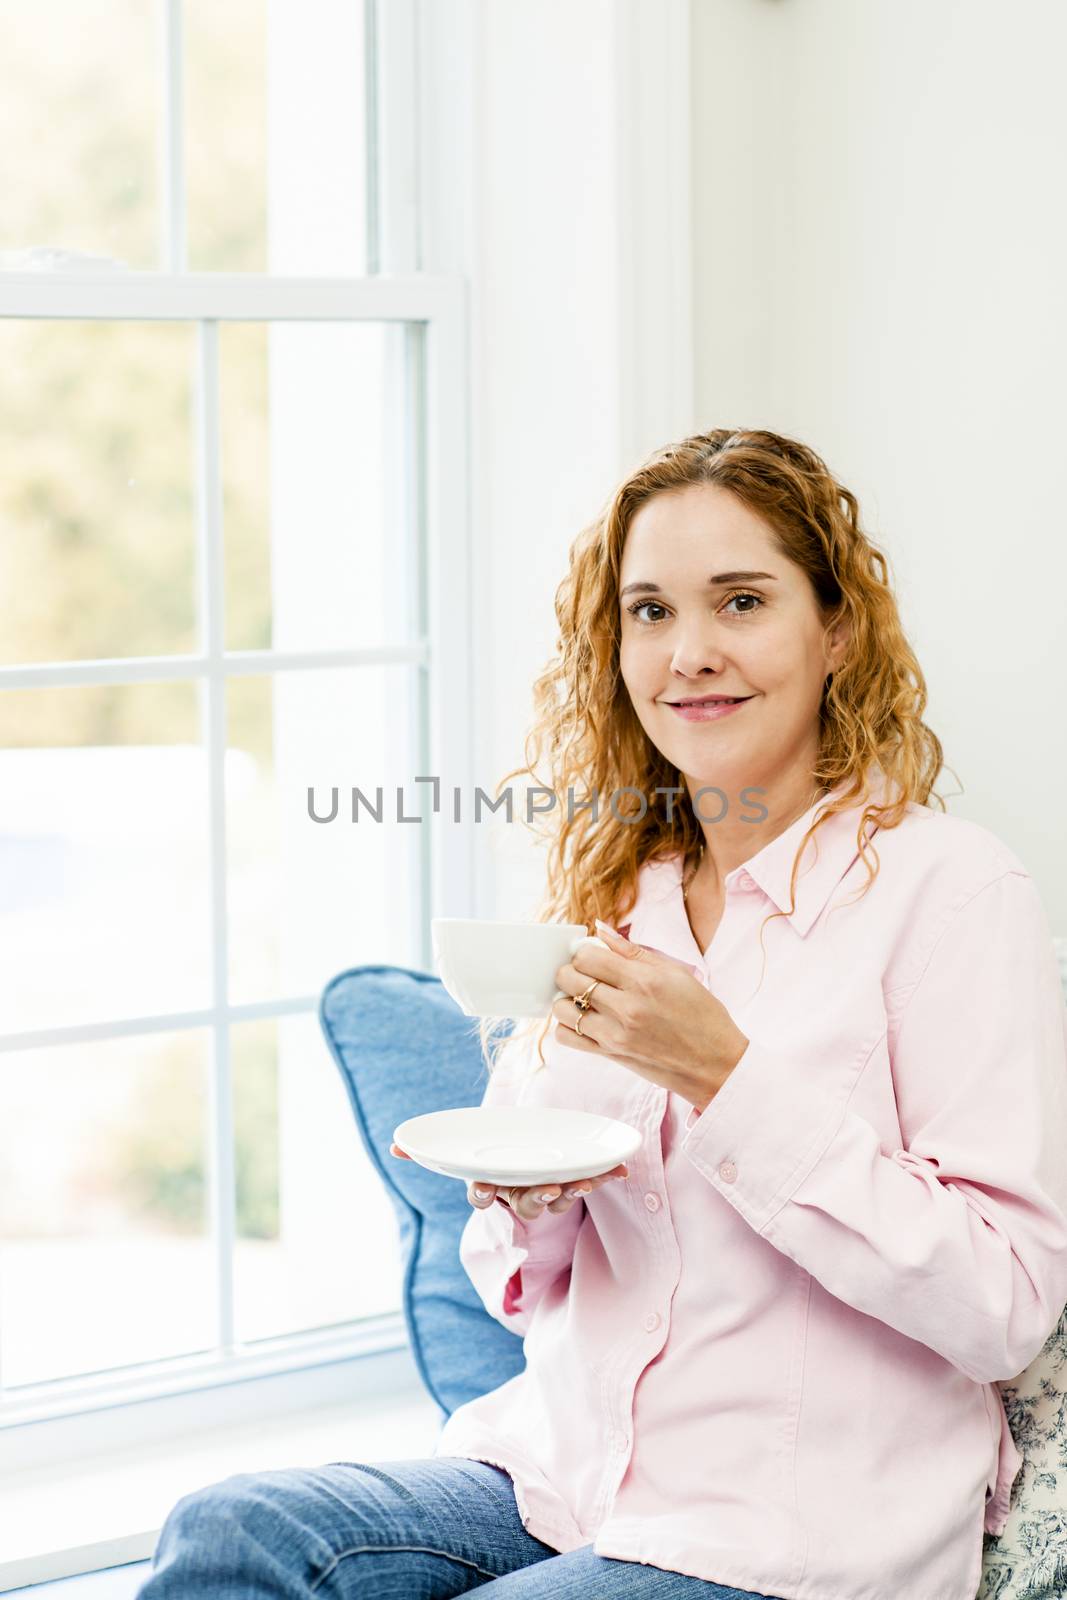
(433, 311)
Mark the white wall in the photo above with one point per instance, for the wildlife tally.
(879, 260)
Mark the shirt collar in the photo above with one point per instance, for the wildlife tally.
(828, 855)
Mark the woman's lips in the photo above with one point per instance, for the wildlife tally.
(709, 712)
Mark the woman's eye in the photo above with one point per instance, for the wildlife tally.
(640, 606)
(743, 595)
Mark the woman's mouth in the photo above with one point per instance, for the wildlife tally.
(709, 710)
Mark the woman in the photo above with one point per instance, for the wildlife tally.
(761, 1357)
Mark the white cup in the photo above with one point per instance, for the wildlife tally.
(504, 969)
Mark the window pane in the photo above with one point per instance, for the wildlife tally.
(79, 105)
(103, 854)
(318, 1242)
(316, 111)
(104, 1250)
(275, 137)
(317, 551)
(226, 134)
(97, 504)
(307, 898)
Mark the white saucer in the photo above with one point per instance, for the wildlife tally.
(516, 1144)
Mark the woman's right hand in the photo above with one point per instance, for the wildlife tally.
(529, 1203)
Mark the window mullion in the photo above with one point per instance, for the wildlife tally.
(371, 150)
(394, 143)
(173, 234)
(451, 618)
(224, 297)
(221, 1167)
(235, 664)
(161, 1022)
(404, 518)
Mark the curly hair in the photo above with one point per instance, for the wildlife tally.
(585, 725)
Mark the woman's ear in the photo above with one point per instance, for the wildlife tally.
(837, 645)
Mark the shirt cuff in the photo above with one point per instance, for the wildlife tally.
(532, 1242)
(540, 1246)
(757, 1140)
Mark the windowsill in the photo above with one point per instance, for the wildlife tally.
(104, 1512)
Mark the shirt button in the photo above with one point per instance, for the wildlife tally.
(652, 1202)
(727, 1172)
(652, 1321)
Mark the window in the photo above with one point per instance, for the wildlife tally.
(233, 568)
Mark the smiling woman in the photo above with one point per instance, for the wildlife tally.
(847, 1219)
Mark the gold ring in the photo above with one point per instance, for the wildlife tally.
(582, 1000)
(578, 1024)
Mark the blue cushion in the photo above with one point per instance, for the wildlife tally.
(405, 1047)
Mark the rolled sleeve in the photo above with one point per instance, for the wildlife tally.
(496, 1245)
(959, 1238)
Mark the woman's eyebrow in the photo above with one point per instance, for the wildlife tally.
(717, 578)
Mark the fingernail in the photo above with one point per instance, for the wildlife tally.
(546, 1197)
(482, 1194)
(572, 1194)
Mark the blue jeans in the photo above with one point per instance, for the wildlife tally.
(423, 1529)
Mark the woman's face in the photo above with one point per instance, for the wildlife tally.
(758, 636)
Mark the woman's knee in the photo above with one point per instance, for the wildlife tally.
(253, 1532)
(217, 1504)
(249, 1512)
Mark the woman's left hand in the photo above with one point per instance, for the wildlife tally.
(651, 1015)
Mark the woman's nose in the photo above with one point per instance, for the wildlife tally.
(694, 655)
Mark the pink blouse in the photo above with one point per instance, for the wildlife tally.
(768, 1357)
